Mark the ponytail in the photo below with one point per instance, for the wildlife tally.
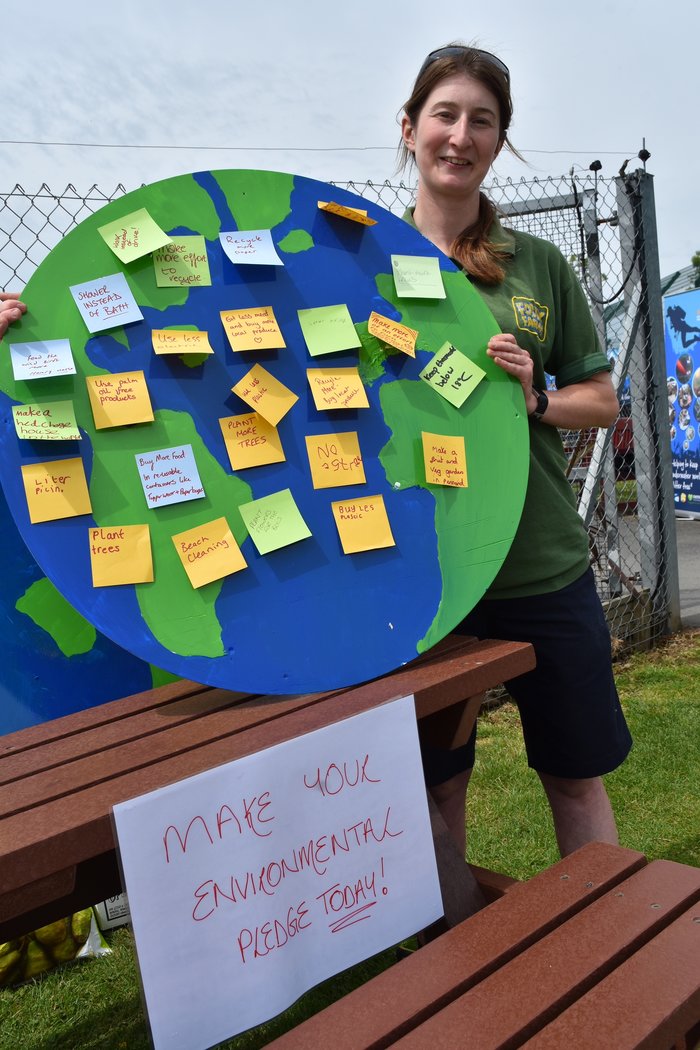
(479, 256)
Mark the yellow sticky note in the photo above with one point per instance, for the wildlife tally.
(120, 554)
(180, 341)
(251, 441)
(354, 214)
(253, 329)
(56, 489)
(133, 235)
(395, 334)
(265, 394)
(363, 524)
(334, 388)
(119, 399)
(445, 460)
(335, 460)
(209, 552)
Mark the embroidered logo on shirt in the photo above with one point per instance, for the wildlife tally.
(530, 316)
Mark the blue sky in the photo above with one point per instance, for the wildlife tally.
(315, 89)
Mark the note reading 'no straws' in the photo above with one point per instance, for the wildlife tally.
(335, 460)
(417, 277)
(363, 524)
(56, 489)
(452, 374)
(119, 399)
(445, 460)
(209, 552)
(120, 554)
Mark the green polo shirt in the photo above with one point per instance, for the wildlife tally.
(540, 302)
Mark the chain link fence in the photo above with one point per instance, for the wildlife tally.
(621, 476)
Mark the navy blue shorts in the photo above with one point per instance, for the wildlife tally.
(573, 724)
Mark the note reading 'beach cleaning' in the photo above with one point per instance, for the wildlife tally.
(209, 552)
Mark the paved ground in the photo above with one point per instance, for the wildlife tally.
(688, 542)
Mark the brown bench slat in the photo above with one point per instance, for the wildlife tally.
(71, 829)
(394, 1002)
(512, 1004)
(651, 1002)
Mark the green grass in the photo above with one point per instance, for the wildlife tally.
(656, 796)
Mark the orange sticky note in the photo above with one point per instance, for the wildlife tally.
(334, 388)
(253, 329)
(397, 335)
(209, 552)
(120, 554)
(363, 524)
(56, 489)
(251, 441)
(335, 460)
(445, 460)
(265, 394)
(180, 341)
(354, 214)
(119, 399)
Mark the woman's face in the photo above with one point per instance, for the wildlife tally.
(456, 137)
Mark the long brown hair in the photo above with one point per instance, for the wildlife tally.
(481, 258)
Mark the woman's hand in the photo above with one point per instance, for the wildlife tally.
(11, 309)
(504, 350)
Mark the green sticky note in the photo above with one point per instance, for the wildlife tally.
(417, 277)
(133, 235)
(328, 329)
(274, 521)
(452, 374)
(49, 421)
(182, 262)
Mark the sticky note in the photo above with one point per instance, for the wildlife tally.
(120, 554)
(119, 399)
(250, 247)
(49, 421)
(209, 552)
(395, 334)
(251, 441)
(335, 460)
(169, 475)
(417, 277)
(106, 302)
(252, 329)
(328, 329)
(42, 360)
(274, 521)
(335, 388)
(265, 394)
(182, 262)
(56, 489)
(452, 374)
(354, 214)
(133, 235)
(363, 524)
(180, 341)
(445, 460)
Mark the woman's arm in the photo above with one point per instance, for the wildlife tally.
(11, 309)
(590, 403)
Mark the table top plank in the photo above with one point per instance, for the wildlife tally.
(402, 997)
(516, 1001)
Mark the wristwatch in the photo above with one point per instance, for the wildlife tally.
(541, 406)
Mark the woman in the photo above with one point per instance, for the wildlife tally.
(454, 126)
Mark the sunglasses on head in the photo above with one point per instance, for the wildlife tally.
(456, 50)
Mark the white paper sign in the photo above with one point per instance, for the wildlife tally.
(250, 246)
(106, 302)
(252, 882)
(169, 475)
(52, 357)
